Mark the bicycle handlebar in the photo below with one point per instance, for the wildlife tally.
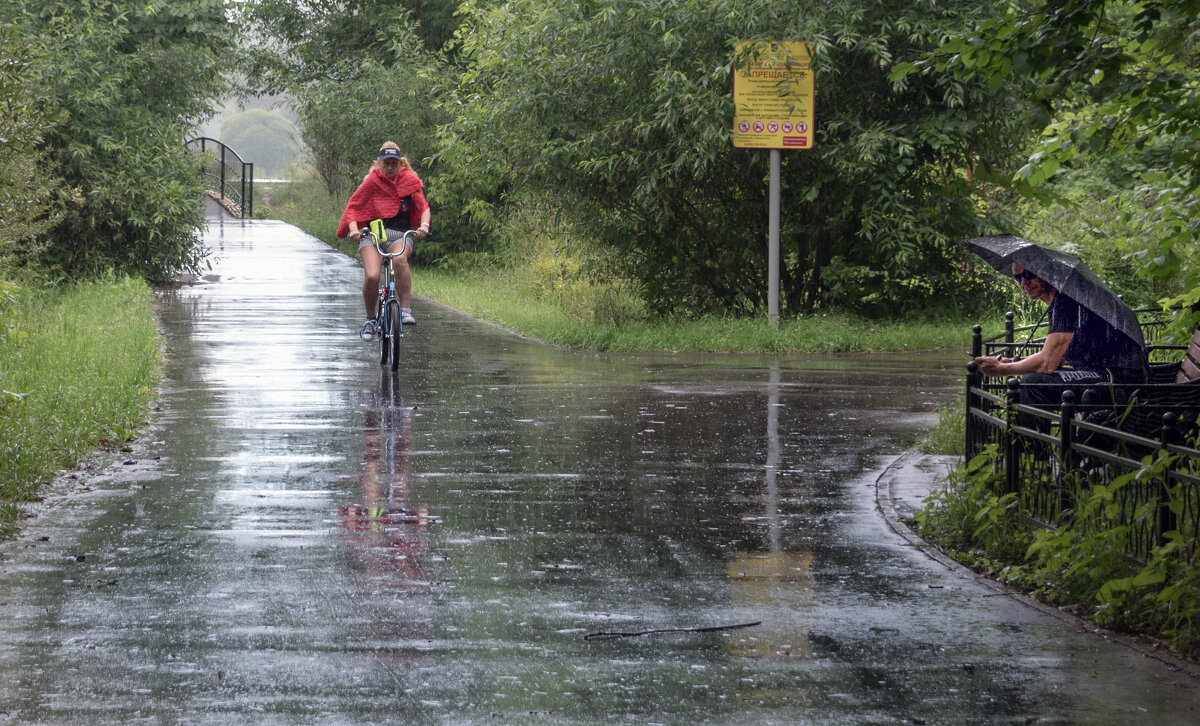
(406, 238)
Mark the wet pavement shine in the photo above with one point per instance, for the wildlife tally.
(301, 537)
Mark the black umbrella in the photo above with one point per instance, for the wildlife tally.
(1066, 273)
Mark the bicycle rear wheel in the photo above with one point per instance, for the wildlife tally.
(395, 332)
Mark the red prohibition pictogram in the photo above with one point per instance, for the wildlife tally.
(772, 93)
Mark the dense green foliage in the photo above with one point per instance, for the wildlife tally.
(78, 365)
(634, 118)
(96, 101)
(1111, 90)
(31, 199)
(1080, 568)
(605, 125)
(114, 87)
(608, 124)
(291, 46)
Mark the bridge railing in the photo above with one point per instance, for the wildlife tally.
(226, 173)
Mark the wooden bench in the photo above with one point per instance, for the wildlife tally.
(1171, 388)
(1189, 367)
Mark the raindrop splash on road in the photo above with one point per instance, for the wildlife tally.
(320, 541)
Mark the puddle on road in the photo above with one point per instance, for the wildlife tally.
(323, 542)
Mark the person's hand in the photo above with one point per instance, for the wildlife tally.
(989, 366)
(422, 232)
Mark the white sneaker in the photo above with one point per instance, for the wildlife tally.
(406, 317)
(368, 331)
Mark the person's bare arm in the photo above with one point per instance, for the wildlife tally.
(1046, 360)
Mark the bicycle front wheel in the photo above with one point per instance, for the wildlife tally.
(384, 323)
(395, 332)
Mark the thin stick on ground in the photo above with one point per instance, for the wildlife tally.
(613, 635)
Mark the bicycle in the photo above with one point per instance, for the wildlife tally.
(389, 322)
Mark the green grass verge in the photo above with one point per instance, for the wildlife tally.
(78, 366)
(518, 300)
(496, 298)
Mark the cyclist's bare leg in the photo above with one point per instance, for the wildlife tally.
(403, 277)
(370, 290)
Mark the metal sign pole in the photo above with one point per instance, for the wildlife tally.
(773, 109)
(773, 242)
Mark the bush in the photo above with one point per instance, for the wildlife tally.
(1083, 569)
(119, 106)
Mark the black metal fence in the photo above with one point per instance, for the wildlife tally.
(226, 173)
(1138, 442)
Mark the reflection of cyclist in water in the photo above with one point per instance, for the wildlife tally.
(391, 534)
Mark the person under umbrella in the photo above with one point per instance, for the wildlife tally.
(1082, 349)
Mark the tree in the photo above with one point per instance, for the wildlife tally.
(1104, 79)
(344, 124)
(125, 81)
(263, 137)
(623, 108)
(31, 198)
(295, 44)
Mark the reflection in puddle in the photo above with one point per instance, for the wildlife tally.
(389, 533)
(775, 581)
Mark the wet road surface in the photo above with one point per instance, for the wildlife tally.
(302, 538)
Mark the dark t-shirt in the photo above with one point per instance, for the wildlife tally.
(401, 219)
(1097, 345)
(409, 214)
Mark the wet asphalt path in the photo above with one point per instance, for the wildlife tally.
(302, 538)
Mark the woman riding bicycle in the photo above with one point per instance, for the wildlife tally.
(393, 192)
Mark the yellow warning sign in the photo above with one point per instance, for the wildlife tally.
(773, 95)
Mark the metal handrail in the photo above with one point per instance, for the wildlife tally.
(1049, 458)
(1152, 321)
(220, 180)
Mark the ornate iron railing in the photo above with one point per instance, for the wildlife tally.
(1138, 441)
(225, 173)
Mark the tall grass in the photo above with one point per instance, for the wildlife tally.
(949, 435)
(490, 296)
(302, 203)
(78, 365)
(542, 295)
